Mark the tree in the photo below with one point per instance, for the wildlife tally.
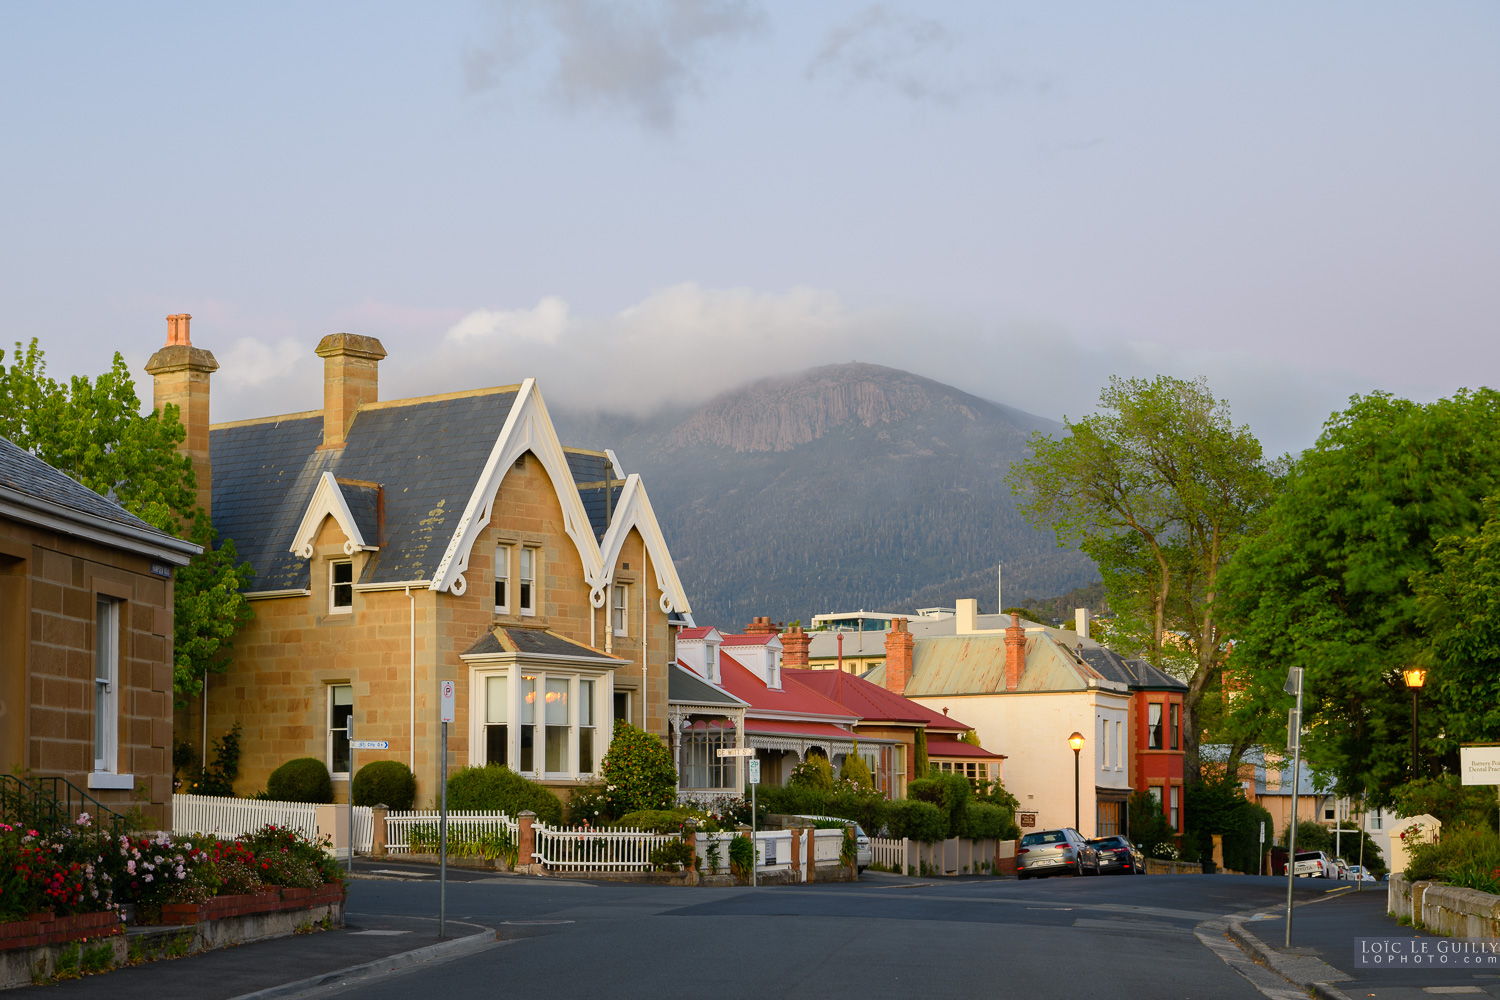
(638, 772)
(1160, 489)
(94, 432)
(1360, 573)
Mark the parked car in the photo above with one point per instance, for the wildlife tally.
(1055, 852)
(1116, 854)
(1343, 869)
(1360, 874)
(1313, 864)
(864, 854)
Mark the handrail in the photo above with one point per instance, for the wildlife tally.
(59, 805)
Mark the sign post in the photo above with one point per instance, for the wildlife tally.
(752, 775)
(1262, 859)
(1294, 744)
(446, 698)
(349, 735)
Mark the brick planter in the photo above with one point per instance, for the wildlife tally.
(43, 928)
(271, 900)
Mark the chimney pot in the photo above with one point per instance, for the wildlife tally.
(350, 380)
(179, 374)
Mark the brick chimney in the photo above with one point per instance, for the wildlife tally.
(761, 626)
(898, 643)
(350, 380)
(1015, 653)
(179, 372)
(794, 643)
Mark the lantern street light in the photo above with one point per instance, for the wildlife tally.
(1076, 742)
(1415, 677)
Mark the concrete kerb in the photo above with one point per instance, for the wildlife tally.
(1277, 971)
(443, 951)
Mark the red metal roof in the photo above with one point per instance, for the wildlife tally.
(793, 697)
(750, 640)
(938, 747)
(786, 727)
(871, 702)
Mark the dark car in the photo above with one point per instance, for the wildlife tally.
(1116, 854)
(1055, 852)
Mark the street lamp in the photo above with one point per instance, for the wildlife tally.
(1076, 742)
(1415, 677)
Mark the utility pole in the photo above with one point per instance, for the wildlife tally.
(1294, 741)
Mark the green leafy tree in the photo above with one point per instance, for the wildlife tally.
(919, 754)
(856, 770)
(813, 772)
(1160, 489)
(1445, 797)
(638, 771)
(1360, 573)
(94, 432)
(1148, 827)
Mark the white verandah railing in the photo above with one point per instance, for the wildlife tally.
(601, 850)
(461, 826)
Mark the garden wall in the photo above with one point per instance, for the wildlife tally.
(1445, 909)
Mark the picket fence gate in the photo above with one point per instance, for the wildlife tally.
(583, 849)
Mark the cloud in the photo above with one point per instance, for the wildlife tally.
(642, 57)
(682, 345)
(916, 57)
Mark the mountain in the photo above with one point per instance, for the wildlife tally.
(843, 487)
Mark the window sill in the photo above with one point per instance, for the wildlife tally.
(104, 779)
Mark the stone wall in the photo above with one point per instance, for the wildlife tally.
(1445, 909)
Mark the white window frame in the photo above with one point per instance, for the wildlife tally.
(332, 729)
(502, 579)
(526, 586)
(1103, 743)
(620, 613)
(1119, 746)
(334, 608)
(603, 717)
(106, 685)
(773, 670)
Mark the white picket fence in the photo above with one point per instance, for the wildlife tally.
(229, 817)
(586, 849)
(949, 857)
(889, 853)
(461, 826)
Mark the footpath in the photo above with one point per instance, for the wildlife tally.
(1325, 936)
(368, 945)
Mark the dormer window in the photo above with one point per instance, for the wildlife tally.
(773, 669)
(340, 587)
(711, 661)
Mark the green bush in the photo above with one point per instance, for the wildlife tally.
(949, 792)
(985, 821)
(673, 856)
(813, 772)
(868, 809)
(919, 752)
(1447, 798)
(917, 820)
(638, 772)
(590, 805)
(1148, 827)
(657, 820)
(1467, 856)
(385, 782)
(497, 787)
(741, 857)
(303, 779)
(1218, 805)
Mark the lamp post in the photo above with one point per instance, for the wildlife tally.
(1076, 742)
(1415, 677)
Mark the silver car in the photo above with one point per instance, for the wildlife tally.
(864, 853)
(1055, 852)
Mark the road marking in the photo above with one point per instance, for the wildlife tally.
(404, 874)
(377, 933)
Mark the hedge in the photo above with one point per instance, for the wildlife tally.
(385, 782)
(302, 779)
(497, 787)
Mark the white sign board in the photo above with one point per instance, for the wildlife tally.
(448, 697)
(370, 744)
(736, 751)
(752, 773)
(1480, 765)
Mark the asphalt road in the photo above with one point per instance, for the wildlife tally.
(1117, 937)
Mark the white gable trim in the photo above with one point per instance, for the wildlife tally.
(328, 501)
(527, 428)
(635, 511)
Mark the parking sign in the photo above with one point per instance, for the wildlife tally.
(447, 697)
(752, 775)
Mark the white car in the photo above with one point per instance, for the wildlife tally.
(1314, 864)
(1361, 874)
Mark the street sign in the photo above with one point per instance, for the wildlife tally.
(369, 744)
(736, 751)
(1293, 681)
(752, 775)
(448, 699)
(1293, 729)
(1479, 765)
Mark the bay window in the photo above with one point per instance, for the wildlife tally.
(541, 723)
(1153, 726)
(1174, 727)
(559, 725)
(497, 720)
(585, 727)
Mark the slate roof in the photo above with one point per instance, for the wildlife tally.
(684, 686)
(536, 641)
(426, 454)
(25, 473)
(364, 507)
(588, 467)
(1136, 672)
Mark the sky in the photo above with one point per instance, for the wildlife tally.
(648, 202)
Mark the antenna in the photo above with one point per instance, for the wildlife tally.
(1000, 589)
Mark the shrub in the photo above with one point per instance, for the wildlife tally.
(984, 821)
(590, 805)
(658, 820)
(385, 782)
(1148, 827)
(919, 752)
(497, 787)
(917, 820)
(857, 771)
(741, 857)
(303, 779)
(1445, 797)
(1465, 856)
(638, 771)
(813, 772)
(949, 792)
(672, 856)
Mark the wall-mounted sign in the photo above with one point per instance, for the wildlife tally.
(1026, 819)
